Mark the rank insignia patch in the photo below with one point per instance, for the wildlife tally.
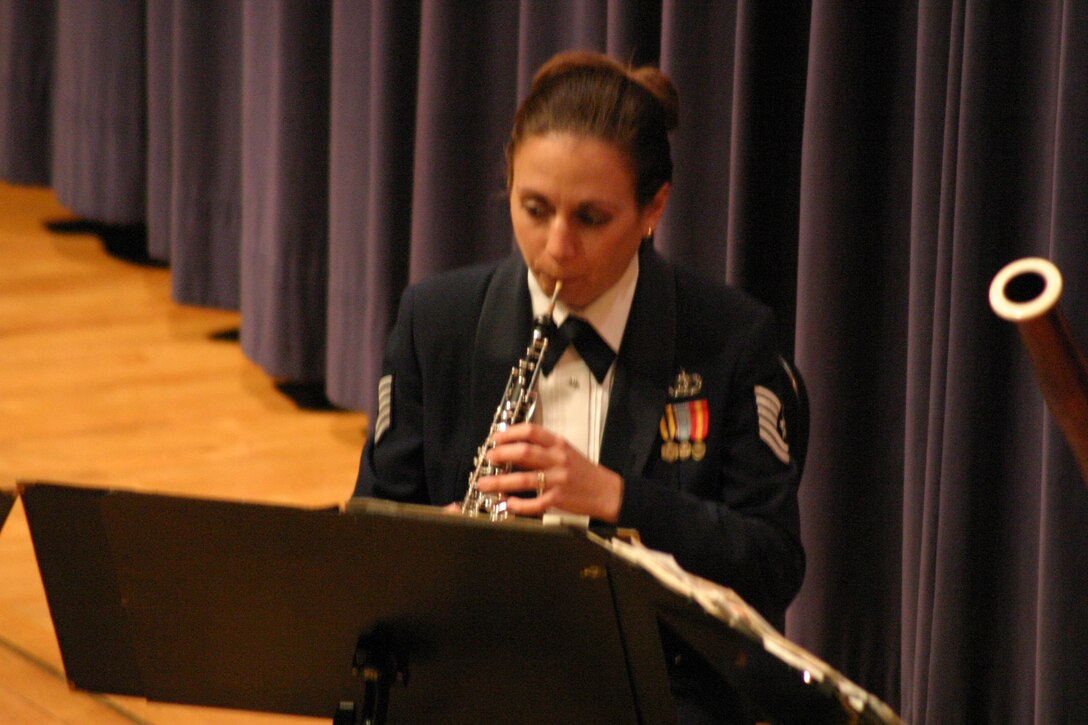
(772, 424)
(385, 407)
(683, 427)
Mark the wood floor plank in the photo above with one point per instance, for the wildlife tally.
(33, 693)
(106, 381)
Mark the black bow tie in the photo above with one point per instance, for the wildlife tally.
(594, 351)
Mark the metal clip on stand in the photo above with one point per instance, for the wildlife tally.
(380, 665)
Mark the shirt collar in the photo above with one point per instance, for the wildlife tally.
(608, 313)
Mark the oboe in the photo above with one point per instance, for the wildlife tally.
(517, 406)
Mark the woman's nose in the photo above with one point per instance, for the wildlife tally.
(562, 241)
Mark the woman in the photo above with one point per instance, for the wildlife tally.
(665, 438)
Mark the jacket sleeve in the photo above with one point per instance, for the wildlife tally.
(392, 460)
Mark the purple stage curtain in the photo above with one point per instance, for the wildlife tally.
(865, 171)
(375, 51)
(285, 173)
(194, 163)
(99, 114)
(26, 62)
(737, 153)
(943, 515)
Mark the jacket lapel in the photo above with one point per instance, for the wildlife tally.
(643, 368)
(501, 340)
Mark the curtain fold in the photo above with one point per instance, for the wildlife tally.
(285, 176)
(98, 114)
(851, 317)
(865, 171)
(981, 564)
(737, 152)
(466, 96)
(160, 147)
(194, 147)
(1060, 639)
(26, 57)
(699, 52)
(375, 51)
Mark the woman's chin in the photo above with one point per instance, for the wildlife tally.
(576, 300)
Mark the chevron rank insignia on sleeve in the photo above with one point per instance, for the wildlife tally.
(772, 424)
(385, 407)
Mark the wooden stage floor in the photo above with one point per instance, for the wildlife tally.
(105, 381)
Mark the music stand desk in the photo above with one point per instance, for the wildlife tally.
(267, 608)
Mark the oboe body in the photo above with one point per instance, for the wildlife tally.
(517, 406)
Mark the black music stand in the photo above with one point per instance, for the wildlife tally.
(388, 612)
(7, 500)
(417, 617)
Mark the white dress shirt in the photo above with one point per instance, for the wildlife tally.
(570, 401)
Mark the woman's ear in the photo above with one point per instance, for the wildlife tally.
(651, 215)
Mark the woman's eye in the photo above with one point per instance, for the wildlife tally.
(593, 217)
(534, 209)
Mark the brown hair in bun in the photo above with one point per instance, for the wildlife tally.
(591, 95)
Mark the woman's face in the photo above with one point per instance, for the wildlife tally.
(572, 203)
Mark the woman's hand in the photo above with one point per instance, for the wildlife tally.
(553, 469)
